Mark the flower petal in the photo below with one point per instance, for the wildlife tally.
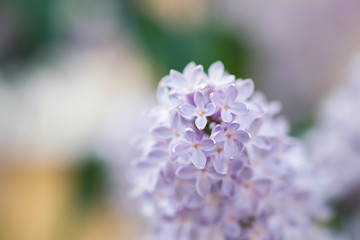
(230, 148)
(226, 115)
(203, 185)
(199, 99)
(188, 110)
(216, 99)
(207, 144)
(186, 172)
(198, 158)
(181, 149)
(262, 142)
(255, 126)
(238, 108)
(232, 127)
(209, 109)
(245, 88)
(200, 122)
(230, 94)
(177, 80)
(216, 70)
(162, 132)
(228, 187)
(241, 136)
(191, 135)
(218, 136)
(158, 155)
(220, 164)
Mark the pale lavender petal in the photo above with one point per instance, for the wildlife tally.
(162, 132)
(238, 108)
(220, 164)
(226, 115)
(228, 79)
(176, 120)
(241, 146)
(203, 185)
(209, 109)
(216, 70)
(216, 99)
(218, 136)
(253, 107)
(187, 172)
(232, 127)
(200, 122)
(198, 74)
(245, 89)
(228, 187)
(262, 187)
(255, 126)
(189, 68)
(162, 92)
(232, 230)
(250, 152)
(213, 174)
(169, 171)
(241, 136)
(217, 128)
(188, 110)
(158, 155)
(262, 142)
(236, 166)
(230, 148)
(207, 144)
(199, 99)
(198, 158)
(177, 79)
(230, 94)
(181, 149)
(191, 135)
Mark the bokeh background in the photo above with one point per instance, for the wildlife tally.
(76, 75)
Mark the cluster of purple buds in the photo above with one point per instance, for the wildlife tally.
(218, 163)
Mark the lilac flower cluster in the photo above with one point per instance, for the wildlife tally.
(219, 165)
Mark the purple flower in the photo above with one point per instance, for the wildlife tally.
(201, 110)
(203, 178)
(187, 82)
(195, 147)
(228, 103)
(232, 138)
(256, 141)
(217, 76)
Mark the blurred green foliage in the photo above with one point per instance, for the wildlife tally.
(169, 48)
(91, 182)
(29, 22)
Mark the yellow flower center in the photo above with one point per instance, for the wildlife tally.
(196, 144)
(224, 107)
(201, 114)
(218, 149)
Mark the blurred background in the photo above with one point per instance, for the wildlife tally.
(75, 76)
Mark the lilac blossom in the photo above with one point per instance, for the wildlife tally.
(195, 147)
(201, 110)
(228, 104)
(221, 164)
